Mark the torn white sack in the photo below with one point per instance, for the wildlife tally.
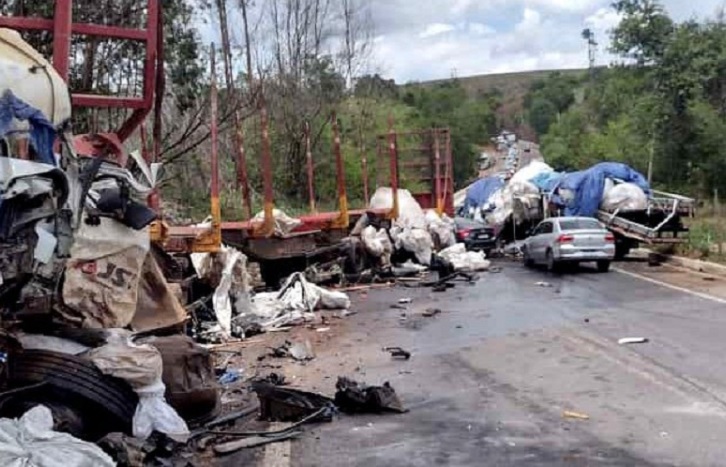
(418, 242)
(226, 271)
(378, 244)
(463, 260)
(141, 366)
(31, 442)
(293, 304)
(284, 224)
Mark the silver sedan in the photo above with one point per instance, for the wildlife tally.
(569, 240)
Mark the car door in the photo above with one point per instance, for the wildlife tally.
(542, 239)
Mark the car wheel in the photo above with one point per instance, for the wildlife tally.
(552, 264)
(603, 266)
(528, 261)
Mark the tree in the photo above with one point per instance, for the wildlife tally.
(644, 31)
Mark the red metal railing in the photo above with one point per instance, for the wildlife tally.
(63, 28)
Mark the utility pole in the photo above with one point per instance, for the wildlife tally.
(589, 36)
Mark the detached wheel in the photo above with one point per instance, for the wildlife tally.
(603, 266)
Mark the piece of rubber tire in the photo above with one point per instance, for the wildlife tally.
(78, 377)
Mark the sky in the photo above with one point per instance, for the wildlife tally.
(418, 40)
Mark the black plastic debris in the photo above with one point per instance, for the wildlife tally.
(274, 379)
(353, 397)
(281, 404)
(398, 353)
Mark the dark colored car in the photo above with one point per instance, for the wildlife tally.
(474, 234)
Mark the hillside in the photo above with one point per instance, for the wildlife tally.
(512, 87)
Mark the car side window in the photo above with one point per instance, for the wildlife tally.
(545, 228)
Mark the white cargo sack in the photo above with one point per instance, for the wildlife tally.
(410, 213)
(624, 197)
(31, 442)
(531, 170)
(141, 366)
(466, 261)
(442, 226)
(418, 242)
(284, 224)
(378, 244)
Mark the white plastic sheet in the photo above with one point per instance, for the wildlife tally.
(227, 272)
(625, 197)
(463, 260)
(31, 442)
(294, 304)
(141, 366)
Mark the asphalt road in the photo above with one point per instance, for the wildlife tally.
(492, 374)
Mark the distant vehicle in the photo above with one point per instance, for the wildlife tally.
(572, 240)
(475, 235)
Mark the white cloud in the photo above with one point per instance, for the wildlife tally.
(480, 29)
(435, 29)
(566, 5)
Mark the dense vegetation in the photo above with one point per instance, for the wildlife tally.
(666, 102)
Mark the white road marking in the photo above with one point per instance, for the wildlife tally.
(671, 286)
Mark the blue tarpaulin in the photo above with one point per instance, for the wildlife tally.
(547, 181)
(587, 186)
(42, 132)
(480, 191)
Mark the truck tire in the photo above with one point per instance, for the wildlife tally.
(98, 398)
(622, 249)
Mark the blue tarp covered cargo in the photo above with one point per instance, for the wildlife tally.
(587, 186)
(480, 191)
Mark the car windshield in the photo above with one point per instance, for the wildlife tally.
(579, 224)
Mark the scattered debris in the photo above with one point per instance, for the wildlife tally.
(30, 441)
(575, 415)
(322, 329)
(354, 397)
(281, 404)
(709, 279)
(495, 269)
(429, 312)
(632, 340)
(273, 378)
(230, 376)
(302, 351)
(405, 300)
(253, 441)
(398, 306)
(398, 353)
(543, 284)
